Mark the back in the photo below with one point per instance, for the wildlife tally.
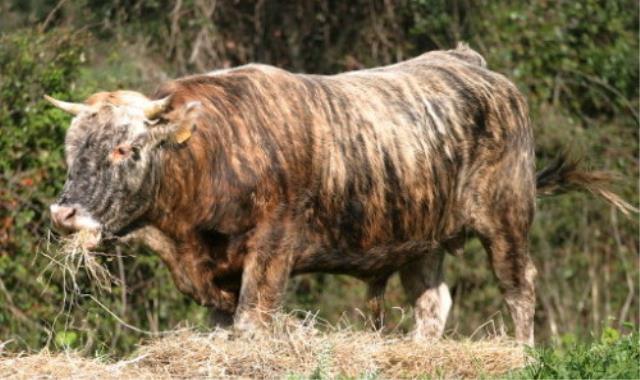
(383, 153)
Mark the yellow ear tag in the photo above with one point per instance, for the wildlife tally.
(183, 133)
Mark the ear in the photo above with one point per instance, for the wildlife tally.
(186, 122)
(180, 124)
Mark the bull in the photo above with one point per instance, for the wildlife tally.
(241, 178)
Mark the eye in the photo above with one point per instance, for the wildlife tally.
(135, 152)
(121, 152)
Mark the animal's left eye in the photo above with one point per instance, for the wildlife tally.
(121, 152)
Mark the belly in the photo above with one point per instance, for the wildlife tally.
(376, 261)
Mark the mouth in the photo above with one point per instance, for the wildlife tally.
(74, 220)
(93, 238)
(88, 238)
(85, 231)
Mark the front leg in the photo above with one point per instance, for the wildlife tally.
(192, 268)
(267, 268)
(220, 318)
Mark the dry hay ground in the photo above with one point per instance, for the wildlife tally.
(293, 349)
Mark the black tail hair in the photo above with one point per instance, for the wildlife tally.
(565, 175)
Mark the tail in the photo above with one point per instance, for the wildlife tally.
(565, 175)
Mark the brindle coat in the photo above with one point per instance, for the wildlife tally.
(364, 173)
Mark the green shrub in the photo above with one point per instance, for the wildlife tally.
(31, 64)
(613, 356)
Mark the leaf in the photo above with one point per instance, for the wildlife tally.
(66, 339)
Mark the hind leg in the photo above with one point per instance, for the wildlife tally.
(423, 282)
(515, 273)
(504, 234)
(375, 301)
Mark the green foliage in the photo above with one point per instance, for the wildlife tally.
(31, 164)
(613, 356)
(578, 54)
(31, 65)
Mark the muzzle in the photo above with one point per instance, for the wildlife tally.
(68, 219)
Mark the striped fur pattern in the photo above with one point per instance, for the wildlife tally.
(364, 173)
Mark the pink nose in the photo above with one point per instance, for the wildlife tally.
(63, 217)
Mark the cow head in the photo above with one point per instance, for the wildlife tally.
(112, 150)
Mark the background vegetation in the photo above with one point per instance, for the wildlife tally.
(577, 62)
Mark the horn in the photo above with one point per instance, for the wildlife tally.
(72, 108)
(156, 107)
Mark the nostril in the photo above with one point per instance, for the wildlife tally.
(62, 216)
(68, 213)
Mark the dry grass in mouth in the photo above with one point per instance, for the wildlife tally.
(294, 349)
(71, 256)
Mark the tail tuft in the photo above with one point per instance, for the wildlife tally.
(565, 175)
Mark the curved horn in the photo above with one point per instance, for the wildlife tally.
(156, 107)
(72, 108)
